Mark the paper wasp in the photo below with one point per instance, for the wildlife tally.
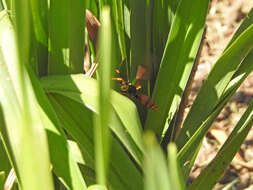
(132, 91)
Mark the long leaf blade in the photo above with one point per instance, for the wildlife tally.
(25, 132)
(190, 148)
(84, 90)
(63, 164)
(214, 170)
(155, 166)
(101, 120)
(80, 127)
(179, 54)
(215, 84)
(66, 36)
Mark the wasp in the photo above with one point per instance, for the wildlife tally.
(132, 91)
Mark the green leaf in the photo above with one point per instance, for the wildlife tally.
(117, 9)
(214, 86)
(76, 152)
(125, 121)
(190, 148)
(1, 6)
(138, 36)
(4, 159)
(76, 35)
(63, 163)
(97, 187)
(66, 36)
(244, 69)
(7, 4)
(79, 125)
(163, 15)
(101, 120)
(2, 178)
(23, 132)
(84, 91)
(244, 25)
(155, 167)
(209, 176)
(39, 49)
(177, 181)
(178, 58)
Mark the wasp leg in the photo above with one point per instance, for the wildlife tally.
(124, 93)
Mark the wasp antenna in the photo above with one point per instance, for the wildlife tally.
(118, 72)
(118, 79)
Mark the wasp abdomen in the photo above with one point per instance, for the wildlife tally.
(147, 101)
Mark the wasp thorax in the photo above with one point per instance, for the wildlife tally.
(132, 90)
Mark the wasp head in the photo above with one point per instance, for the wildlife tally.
(124, 87)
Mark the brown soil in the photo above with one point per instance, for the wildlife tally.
(223, 19)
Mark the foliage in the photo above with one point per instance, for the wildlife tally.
(61, 129)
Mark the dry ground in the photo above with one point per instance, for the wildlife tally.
(223, 19)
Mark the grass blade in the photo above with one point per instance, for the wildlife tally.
(39, 49)
(24, 132)
(2, 177)
(63, 164)
(76, 35)
(179, 54)
(80, 127)
(177, 181)
(215, 84)
(97, 187)
(190, 148)
(163, 15)
(1, 6)
(101, 120)
(138, 36)
(119, 25)
(66, 36)
(155, 168)
(84, 90)
(244, 25)
(79, 124)
(214, 170)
